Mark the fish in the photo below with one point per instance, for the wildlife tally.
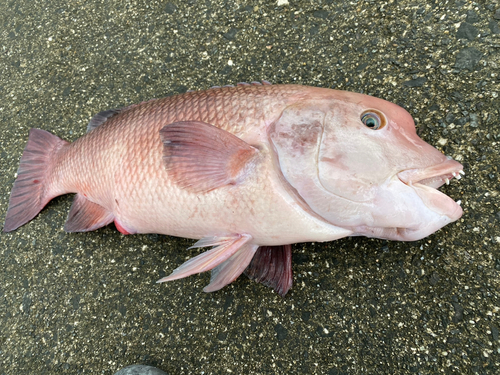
(247, 170)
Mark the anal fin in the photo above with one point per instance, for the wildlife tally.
(224, 249)
(272, 266)
(85, 216)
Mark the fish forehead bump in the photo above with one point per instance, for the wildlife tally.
(398, 137)
(395, 114)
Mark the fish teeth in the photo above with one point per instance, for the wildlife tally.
(454, 174)
(461, 172)
(458, 177)
(459, 202)
(447, 181)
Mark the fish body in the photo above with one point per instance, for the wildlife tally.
(248, 170)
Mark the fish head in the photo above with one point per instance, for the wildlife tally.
(358, 163)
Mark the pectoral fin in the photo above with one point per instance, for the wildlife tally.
(224, 248)
(201, 157)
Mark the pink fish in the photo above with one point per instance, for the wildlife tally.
(248, 170)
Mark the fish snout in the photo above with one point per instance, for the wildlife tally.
(434, 176)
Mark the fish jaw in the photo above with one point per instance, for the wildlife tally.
(426, 181)
(423, 211)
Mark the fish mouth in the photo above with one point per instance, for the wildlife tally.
(426, 181)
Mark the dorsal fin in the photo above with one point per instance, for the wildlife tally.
(102, 117)
(253, 83)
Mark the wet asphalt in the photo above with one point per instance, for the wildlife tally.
(88, 302)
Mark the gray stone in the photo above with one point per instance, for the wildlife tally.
(473, 120)
(494, 28)
(231, 34)
(459, 312)
(417, 82)
(467, 31)
(140, 370)
(170, 8)
(472, 16)
(468, 58)
(434, 278)
(494, 332)
(320, 14)
(281, 332)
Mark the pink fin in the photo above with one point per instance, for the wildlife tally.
(102, 117)
(201, 157)
(85, 216)
(209, 259)
(29, 194)
(272, 266)
(255, 83)
(225, 273)
(210, 241)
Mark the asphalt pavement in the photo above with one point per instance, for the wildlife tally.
(83, 303)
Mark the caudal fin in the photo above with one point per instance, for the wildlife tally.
(29, 194)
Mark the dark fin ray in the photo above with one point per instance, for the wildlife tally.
(201, 157)
(104, 116)
(255, 83)
(29, 193)
(272, 266)
(85, 216)
(101, 118)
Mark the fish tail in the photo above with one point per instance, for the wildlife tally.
(31, 191)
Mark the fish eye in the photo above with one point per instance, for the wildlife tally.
(373, 119)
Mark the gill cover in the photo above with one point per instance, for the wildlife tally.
(297, 138)
(343, 169)
(343, 154)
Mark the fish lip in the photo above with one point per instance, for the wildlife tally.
(434, 176)
(426, 181)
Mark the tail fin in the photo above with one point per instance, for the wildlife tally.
(29, 194)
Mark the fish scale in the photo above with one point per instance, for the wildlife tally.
(248, 170)
(138, 127)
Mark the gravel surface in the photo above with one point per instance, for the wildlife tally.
(88, 303)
